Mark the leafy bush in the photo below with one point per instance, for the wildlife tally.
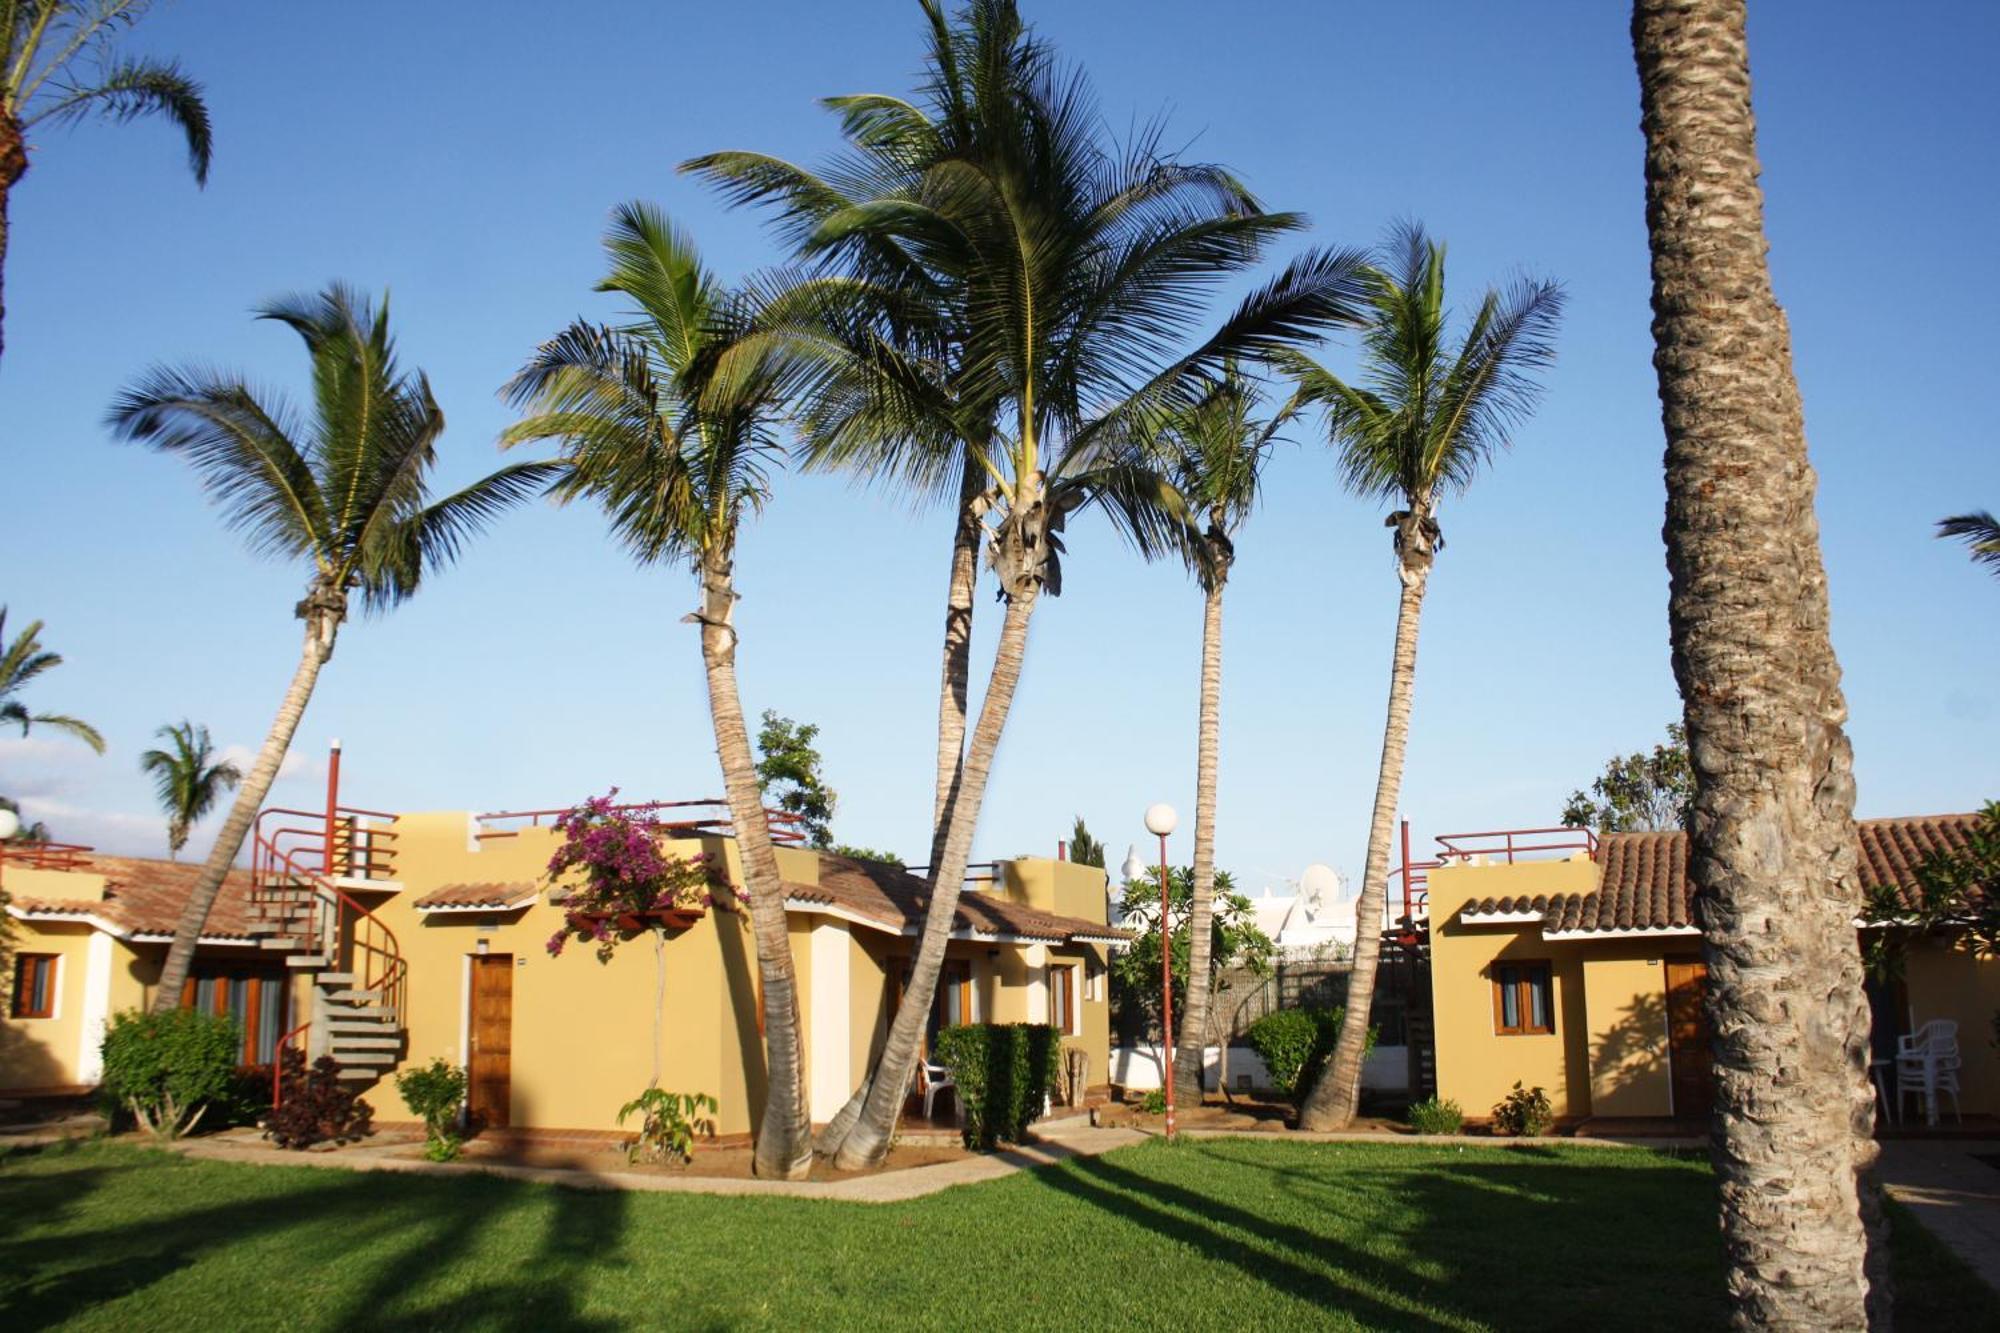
(314, 1105)
(669, 1125)
(1154, 1102)
(434, 1093)
(168, 1069)
(1436, 1116)
(1295, 1043)
(1523, 1112)
(1003, 1073)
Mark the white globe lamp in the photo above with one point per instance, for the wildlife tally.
(1161, 819)
(10, 824)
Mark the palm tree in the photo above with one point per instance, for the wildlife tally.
(21, 662)
(1981, 534)
(1213, 453)
(668, 422)
(1429, 414)
(1771, 835)
(1019, 290)
(345, 490)
(188, 778)
(42, 43)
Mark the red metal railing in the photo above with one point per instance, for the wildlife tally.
(356, 850)
(1463, 847)
(291, 860)
(786, 827)
(48, 855)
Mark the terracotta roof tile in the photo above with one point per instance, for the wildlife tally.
(494, 895)
(891, 897)
(143, 896)
(1642, 881)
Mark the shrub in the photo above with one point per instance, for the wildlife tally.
(669, 1124)
(1523, 1112)
(434, 1093)
(1154, 1102)
(1436, 1116)
(1295, 1043)
(1003, 1073)
(315, 1105)
(168, 1069)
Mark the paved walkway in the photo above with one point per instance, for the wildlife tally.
(882, 1187)
(1951, 1193)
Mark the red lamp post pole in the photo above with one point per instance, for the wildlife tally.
(332, 808)
(1166, 991)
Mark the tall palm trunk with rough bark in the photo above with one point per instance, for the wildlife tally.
(865, 1135)
(784, 1136)
(953, 690)
(1191, 1050)
(1337, 1096)
(323, 610)
(1772, 844)
(13, 165)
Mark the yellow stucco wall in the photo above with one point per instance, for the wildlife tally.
(1946, 979)
(43, 1053)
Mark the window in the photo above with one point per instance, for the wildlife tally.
(1523, 999)
(35, 985)
(1093, 980)
(1062, 999)
(254, 998)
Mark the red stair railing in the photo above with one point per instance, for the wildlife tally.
(331, 921)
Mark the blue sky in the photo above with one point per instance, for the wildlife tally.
(465, 156)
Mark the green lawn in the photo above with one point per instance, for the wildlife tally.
(1235, 1233)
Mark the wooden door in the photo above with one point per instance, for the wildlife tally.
(491, 1026)
(1689, 1051)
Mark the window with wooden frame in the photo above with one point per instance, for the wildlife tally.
(35, 985)
(256, 998)
(1062, 999)
(1093, 979)
(1523, 999)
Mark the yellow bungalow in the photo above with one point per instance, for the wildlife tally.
(426, 935)
(1572, 962)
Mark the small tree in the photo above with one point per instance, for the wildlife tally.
(1236, 943)
(1638, 792)
(1084, 849)
(630, 886)
(434, 1093)
(789, 763)
(168, 1068)
(188, 778)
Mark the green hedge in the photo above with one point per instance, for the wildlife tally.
(169, 1069)
(1295, 1043)
(1003, 1074)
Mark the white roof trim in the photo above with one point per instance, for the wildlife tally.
(90, 919)
(1501, 918)
(1635, 933)
(166, 937)
(808, 907)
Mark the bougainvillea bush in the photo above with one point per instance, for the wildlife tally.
(627, 879)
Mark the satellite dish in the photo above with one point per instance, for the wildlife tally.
(1319, 886)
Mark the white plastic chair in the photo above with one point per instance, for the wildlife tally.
(1927, 1063)
(936, 1078)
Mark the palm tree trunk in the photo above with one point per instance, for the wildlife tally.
(321, 629)
(952, 690)
(784, 1134)
(13, 165)
(1194, 1018)
(867, 1138)
(1337, 1096)
(1771, 836)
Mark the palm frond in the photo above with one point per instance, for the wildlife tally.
(130, 89)
(76, 727)
(1979, 531)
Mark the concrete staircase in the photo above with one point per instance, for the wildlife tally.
(298, 916)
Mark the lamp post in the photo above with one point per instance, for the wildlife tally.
(10, 824)
(1161, 819)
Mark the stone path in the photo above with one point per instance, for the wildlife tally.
(1954, 1195)
(882, 1187)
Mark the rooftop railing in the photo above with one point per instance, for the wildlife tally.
(689, 819)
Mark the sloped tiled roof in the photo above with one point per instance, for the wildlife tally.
(470, 896)
(1642, 880)
(891, 897)
(143, 896)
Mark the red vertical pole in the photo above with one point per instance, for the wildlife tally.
(1166, 990)
(1062, 851)
(1409, 907)
(332, 808)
